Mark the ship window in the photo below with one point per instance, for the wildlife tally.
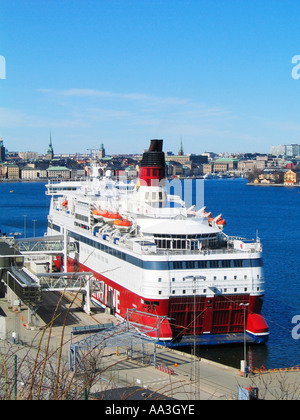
(238, 263)
(245, 277)
(194, 245)
(159, 280)
(177, 265)
(202, 264)
(173, 279)
(225, 277)
(225, 290)
(226, 263)
(245, 289)
(190, 264)
(173, 292)
(159, 292)
(235, 289)
(183, 292)
(214, 264)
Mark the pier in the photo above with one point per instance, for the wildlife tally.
(127, 361)
(177, 375)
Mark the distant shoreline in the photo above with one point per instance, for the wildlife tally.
(24, 180)
(272, 185)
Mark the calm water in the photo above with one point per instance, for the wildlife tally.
(273, 212)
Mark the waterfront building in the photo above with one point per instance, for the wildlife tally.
(29, 155)
(208, 168)
(292, 177)
(225, 164)
(289, 150)
(278, 150)
(12, 171)
(58, 172)
(2, 151)
(292, 150)
(31, 173)
(246, 165)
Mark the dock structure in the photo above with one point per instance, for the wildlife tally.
(127, 358)
(26, 271)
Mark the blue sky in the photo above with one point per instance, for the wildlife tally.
(215, 72)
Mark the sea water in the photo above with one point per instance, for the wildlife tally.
(270, 212)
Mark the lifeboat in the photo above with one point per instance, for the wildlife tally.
(221, 223)
(111, 217)
(123, 224)
(65, 203)
(98, 214)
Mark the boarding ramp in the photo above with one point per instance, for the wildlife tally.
(63, 281)
(45, 245)
(25, 286)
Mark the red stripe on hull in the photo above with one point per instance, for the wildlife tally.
(120, 299)
(221, 314)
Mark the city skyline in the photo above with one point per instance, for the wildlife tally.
(217, 74)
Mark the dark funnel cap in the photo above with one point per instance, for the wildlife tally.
(155, 145)
(155, 156)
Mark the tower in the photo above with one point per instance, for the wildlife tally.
(50, 153)
(2, 151)
(180, 152)
(101, 153)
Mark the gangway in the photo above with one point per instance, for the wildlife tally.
(43, 245)
(63, 281)
(25, 286)
(16, 254)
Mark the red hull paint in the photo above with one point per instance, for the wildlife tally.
(221, 314)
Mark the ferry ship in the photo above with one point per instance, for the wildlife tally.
(171, 267)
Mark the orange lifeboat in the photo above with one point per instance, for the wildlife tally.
(111, 217)
(65, 203)
(221, 223)
(99, 214)
(123, 224)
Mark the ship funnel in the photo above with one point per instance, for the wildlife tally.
(152, 167)
(156, 146)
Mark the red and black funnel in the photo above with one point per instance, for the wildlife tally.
(152, 167)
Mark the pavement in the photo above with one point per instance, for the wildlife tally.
(181, 376)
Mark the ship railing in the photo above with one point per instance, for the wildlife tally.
(203, 252)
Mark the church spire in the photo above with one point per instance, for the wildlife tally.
(50, 152)
(180, 152)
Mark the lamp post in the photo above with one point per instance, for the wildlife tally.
(34, 228)
(245, 355)
(25, 215)
(194, 278)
